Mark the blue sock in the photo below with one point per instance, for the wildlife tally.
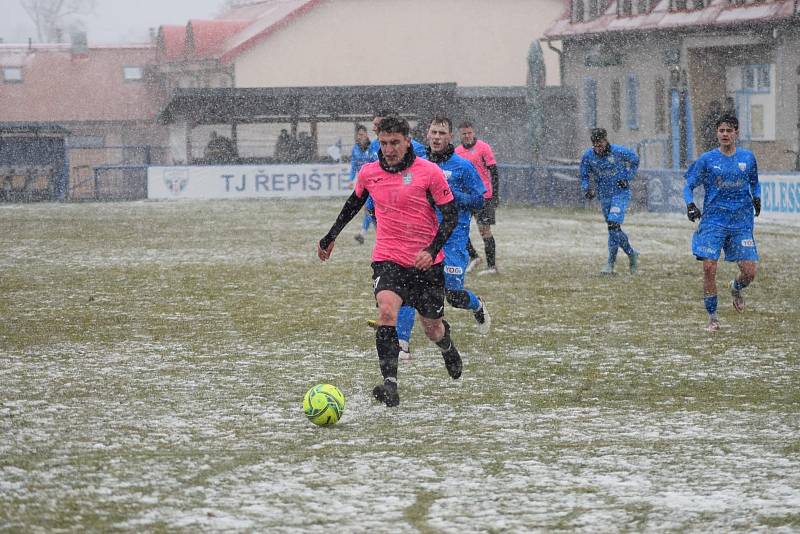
(613, 246)
(405, 323)
(622, 239)
(711, 304)
(365, 224)
(474, 303)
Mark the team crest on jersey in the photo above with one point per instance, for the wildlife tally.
(611, 159)
(742, 166)
(407, 177)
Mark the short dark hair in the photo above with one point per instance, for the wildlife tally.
(361, 127)
(730, 119)
(441, 119)
(598, 134)
(465, 124)
(394, 124)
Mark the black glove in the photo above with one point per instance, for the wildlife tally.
(622, 184)
(589, 194)
(692, 211)
(757, 205)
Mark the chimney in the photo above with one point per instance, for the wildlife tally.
(80, 46)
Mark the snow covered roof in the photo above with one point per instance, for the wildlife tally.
(719, 13)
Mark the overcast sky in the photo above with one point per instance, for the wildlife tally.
(114, 21)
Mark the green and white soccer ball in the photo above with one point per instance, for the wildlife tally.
(323, 404)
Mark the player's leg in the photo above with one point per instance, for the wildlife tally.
(428, 296)
(613, 245)
(707, 244)
(486, 218)
(741, 248)
(456, 295)
(616, 214)
(388, 279)
(405, 324)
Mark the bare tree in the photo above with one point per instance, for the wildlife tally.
(51, 17)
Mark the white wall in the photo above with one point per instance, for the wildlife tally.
(381, 42)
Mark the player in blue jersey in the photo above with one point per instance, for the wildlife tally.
(468, 190)
(729, 176)
(372, 155)
(358, 157)
(613, 167)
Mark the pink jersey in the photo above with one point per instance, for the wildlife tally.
(407, 222)
(481, 156)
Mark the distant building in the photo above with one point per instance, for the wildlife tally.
(315, 44)
(652, 71)
(104, 97)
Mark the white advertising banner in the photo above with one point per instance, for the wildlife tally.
(249, 181)
(780, 197)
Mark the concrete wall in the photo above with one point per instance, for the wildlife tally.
(379, 42)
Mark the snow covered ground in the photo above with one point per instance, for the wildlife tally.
(153, 358)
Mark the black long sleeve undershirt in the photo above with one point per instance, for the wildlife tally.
(351, 207)
(446, 227)
(495, 181)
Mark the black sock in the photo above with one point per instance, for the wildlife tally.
(457, 299)
(445, 343)
(388, 350)
(471, 250)
(488, 243)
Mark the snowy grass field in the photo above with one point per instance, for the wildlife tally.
(153, 358)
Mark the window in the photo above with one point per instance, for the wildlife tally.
(590, 102)
(577, 11)
(756, 78)
(616, 105)
(625, 7)
(132, 74)
(677, 5)
(633, 101)
(12, 74)
(661, 106)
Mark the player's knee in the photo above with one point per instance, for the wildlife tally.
(748, 270)
(434, 330)
(457, 298)
(387, 314)
(485, 231)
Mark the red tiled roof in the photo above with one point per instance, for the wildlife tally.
(205, 38)
(59, 87)
(718, 13)
(171, 43)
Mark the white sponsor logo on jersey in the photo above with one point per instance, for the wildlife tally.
(614, 209)
(453, 269)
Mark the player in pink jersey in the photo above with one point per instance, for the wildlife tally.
(480, 154)
(407, 259)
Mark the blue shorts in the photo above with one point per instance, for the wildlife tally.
(614, 207)
(738, 244)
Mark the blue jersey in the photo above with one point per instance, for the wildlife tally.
(466, 185)
(358, 157)
(417, 147)
(730, 183)
(620, 163)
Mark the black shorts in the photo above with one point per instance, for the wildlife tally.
(422, 290)
(485, 215)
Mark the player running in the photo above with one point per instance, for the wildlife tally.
(729, 176)
(480, 154)
(468, 190)
(613, 167)
(407, 260)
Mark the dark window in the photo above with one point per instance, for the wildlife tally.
(661, 106)
(633, 102)
(577, 11)
(616, 105)
(590, 102)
